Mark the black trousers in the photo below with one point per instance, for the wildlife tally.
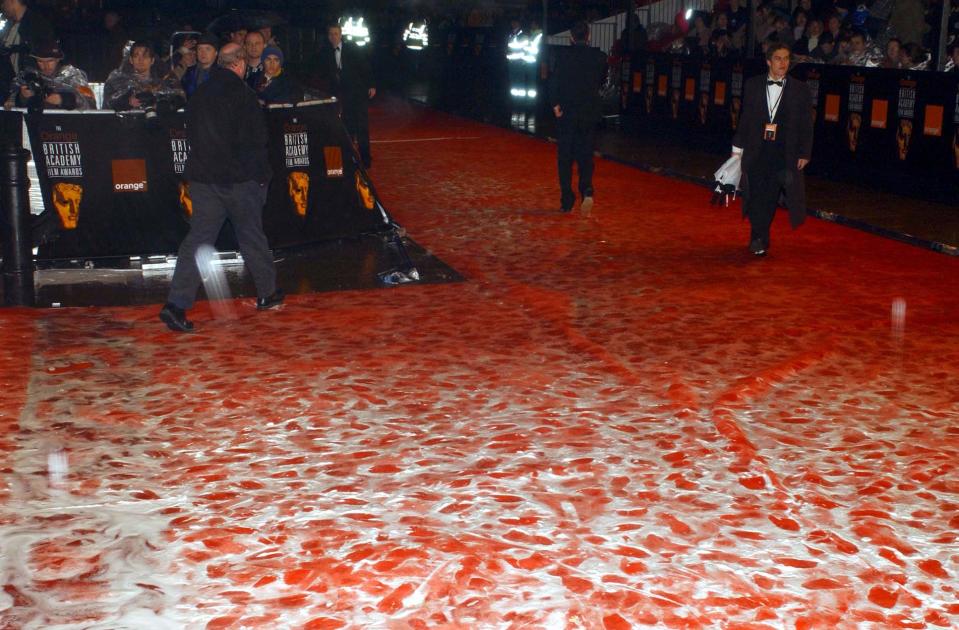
(575, 140)
(356, 119)
(764, 190)
(213, 204)
(766, 180)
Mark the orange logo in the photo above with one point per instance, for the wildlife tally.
(129, 175)
(333, 156)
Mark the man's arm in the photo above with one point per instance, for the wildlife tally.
(745, 117)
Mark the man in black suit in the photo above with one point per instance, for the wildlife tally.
(574, 96)
(341, 70)
(774, 138)
(22, 32)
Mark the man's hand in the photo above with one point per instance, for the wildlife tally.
(802, 163)
(26, 92)
(134, 102)
(558, 111)
(372, 92)
(54, 99)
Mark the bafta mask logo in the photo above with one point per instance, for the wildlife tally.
(735, 105)
(66, 199)
(674, 104)
(298, 185)
(366, 195)
(853, 125)
(703, 107)
(186, 202)
(903, 138)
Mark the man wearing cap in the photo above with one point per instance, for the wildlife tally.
(23, 30)
(275, 85)
(61, 86)
(206, 50)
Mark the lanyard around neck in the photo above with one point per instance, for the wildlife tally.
(775, 107)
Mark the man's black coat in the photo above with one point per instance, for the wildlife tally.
(794, 120)
(351, 84)
(574, 86)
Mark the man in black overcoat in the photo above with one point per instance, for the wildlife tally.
(341, 69)
(574, 97)
(774, 136)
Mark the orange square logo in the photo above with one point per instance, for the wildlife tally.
(637, 82)
(690, 91)
(129, 175)
(719, 97)
(880, 113)
(932, 121)
(333, 158)
(832, 108)
(661, 86)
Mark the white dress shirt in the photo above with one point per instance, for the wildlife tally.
(339, 60)
(773, 99)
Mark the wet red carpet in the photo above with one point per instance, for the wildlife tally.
(617, 421)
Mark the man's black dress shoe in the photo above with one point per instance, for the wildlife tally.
(175, 318)
(758, 247)
(265, 304)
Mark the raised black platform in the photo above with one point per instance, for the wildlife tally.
(344, 264)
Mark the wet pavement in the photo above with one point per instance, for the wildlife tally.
(615, 421)
(864, 205)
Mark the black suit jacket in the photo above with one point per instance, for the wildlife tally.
(795, 121)
(351, 84)
(579, 74)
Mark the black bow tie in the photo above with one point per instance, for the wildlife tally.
(771, 82)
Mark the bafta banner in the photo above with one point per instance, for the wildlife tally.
(117, 182)
(895, 127)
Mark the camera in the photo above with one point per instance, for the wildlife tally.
(32, 80)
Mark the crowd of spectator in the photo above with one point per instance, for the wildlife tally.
(142, 75)
(165, 68)
(880, 33)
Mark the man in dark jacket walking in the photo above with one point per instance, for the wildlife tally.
(574, 96)
(228, 173)
(342, 70)
(774, 138)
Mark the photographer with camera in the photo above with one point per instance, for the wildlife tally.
(24, 29)
(53, 84)
(137, 84)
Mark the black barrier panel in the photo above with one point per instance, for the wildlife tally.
(897, 129)
(116, 181)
